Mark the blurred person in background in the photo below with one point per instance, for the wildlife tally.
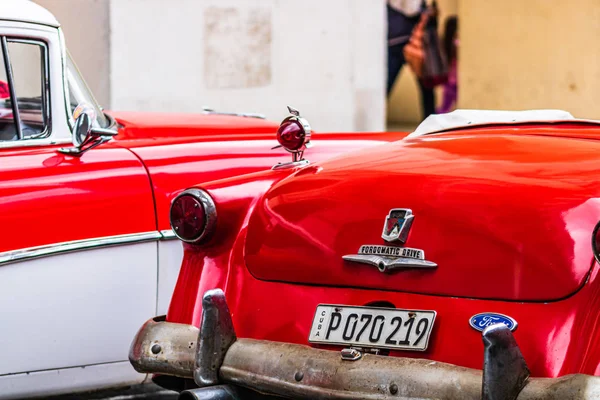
(450, 45)
(403, 16)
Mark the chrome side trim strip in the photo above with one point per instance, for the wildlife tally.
(33, 142)
(11, 256)
(168, 234)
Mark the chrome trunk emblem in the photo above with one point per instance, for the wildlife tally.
(388, 258)
(397, 225)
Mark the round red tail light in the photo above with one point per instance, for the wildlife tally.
(291, 135)
(193, 215)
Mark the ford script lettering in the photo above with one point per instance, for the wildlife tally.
(483, 320)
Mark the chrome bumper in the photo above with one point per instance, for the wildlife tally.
(303, 372)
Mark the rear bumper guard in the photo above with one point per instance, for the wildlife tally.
(303, 372)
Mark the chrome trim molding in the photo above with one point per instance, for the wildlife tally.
(11, 88)
(47, 114)
(389, 264)
(167, 234)
(49, 141)
(11, 256)
(291, 164)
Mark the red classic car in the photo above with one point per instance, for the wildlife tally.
(87, 254)
(455, 263)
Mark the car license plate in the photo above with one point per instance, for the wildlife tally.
(383, 328)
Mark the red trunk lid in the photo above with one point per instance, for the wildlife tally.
(503, 217)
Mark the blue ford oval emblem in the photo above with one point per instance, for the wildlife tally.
(483, 320)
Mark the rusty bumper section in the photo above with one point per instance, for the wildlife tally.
(164, 348)
(306, 373)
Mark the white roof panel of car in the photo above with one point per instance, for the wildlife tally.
(26, 11)
(466, 118)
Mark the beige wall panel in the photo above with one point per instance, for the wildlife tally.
(517, 54)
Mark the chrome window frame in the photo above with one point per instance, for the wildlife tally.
(61, 37)
(16, 115)
(65, 83)
(61, 131)
(46, 103)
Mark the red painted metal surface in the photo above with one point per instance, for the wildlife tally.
(556, 338)
(47, 197)
(124, 185)
(180, 151)
(504, 186)
(515, 211)
(161, 126)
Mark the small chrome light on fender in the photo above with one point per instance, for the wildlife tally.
(294, 136)
(193, 215)
(596, 242)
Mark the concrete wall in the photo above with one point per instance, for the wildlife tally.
(518, 54)
(326, 58)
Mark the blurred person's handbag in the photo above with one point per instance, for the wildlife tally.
(423, 52)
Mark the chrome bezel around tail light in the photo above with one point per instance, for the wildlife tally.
(210, 215)
(596, 242)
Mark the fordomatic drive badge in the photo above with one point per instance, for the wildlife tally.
(387, 258)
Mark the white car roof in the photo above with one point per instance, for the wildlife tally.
(467, 118)
(26, 11)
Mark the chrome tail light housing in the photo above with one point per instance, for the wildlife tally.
(193, 216)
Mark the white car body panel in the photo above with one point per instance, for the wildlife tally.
(170, 254)
(26, 11)
(81, 303)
